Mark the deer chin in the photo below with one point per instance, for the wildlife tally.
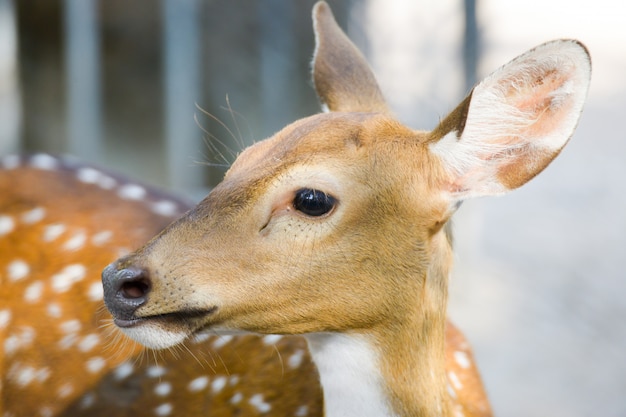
(163, 331)
(154, 336)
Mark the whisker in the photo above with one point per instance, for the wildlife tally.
(240, 142)
(280, 359)
(210, 140)
(232, 153)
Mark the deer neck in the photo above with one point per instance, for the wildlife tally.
(393, 369)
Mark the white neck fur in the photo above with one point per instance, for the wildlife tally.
(350, 376)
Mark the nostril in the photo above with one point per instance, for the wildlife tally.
(125, 290)
(135, 289)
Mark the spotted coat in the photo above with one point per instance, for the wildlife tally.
(61, 222)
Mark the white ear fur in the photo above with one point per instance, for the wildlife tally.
(517, 120)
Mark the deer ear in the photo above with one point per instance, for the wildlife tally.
(343, 79)
(515, 122)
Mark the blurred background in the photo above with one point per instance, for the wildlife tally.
(168, 91)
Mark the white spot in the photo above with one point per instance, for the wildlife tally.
(234, 380)
(198, 384)
(88, 400)
(132, 192)
(42, 374)
(107, 183)
(65, 390)
(89, 342)
(25, 375)
(76, 242)
(10, 161)
(102, 237)
(95, 292)
(258, 402)
(5, 318)
(123, 371)
(236, 399)
(18, 270)
(33, 216)
(70, 326)
(164, 410)
(451, 391)
(68, 341)
(302, 411)
(11, 345)
(46, 412)
(121, 252)
(455, 381)
(156, 371)
(221, 341)
(6, 225)
(95, 365)
(52, 232)
(295, 360)
(71, 274)
(271, 339)
(162, 389)
(88, 175)
(33, 292)
(23, 338)
(54, 310)
(462, 359)
(165, 208)
(218, 384)
(43, 161)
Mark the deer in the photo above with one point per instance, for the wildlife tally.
(311, 281)
(336, 228)
(61, 220)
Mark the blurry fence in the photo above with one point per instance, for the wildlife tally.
(149, 88)
(120, 83)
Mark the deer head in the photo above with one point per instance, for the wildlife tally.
(335, 226)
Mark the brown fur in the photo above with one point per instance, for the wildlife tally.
(378, 263)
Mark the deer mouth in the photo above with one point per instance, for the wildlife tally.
(160, 331)
(174, 318)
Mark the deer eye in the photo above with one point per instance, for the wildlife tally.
(313, 203)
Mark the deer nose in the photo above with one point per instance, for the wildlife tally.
(125, 290)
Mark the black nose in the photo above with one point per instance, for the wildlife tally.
(125, 290)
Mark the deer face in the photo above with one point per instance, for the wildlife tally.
(323, 204)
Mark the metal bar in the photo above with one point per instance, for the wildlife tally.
(10, 110)
(82, 59)
(471, 45)
(277, 54)
(182, 80)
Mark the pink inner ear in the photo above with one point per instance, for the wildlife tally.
(547, 100)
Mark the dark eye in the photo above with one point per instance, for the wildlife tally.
(313, 203)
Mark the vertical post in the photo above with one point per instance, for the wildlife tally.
(82, 60)
(182, 90)
(277, 63)
(471, 47)
(10, 112)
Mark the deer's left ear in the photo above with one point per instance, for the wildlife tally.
(515, 122)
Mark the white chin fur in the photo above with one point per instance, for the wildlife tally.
(154, 337)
